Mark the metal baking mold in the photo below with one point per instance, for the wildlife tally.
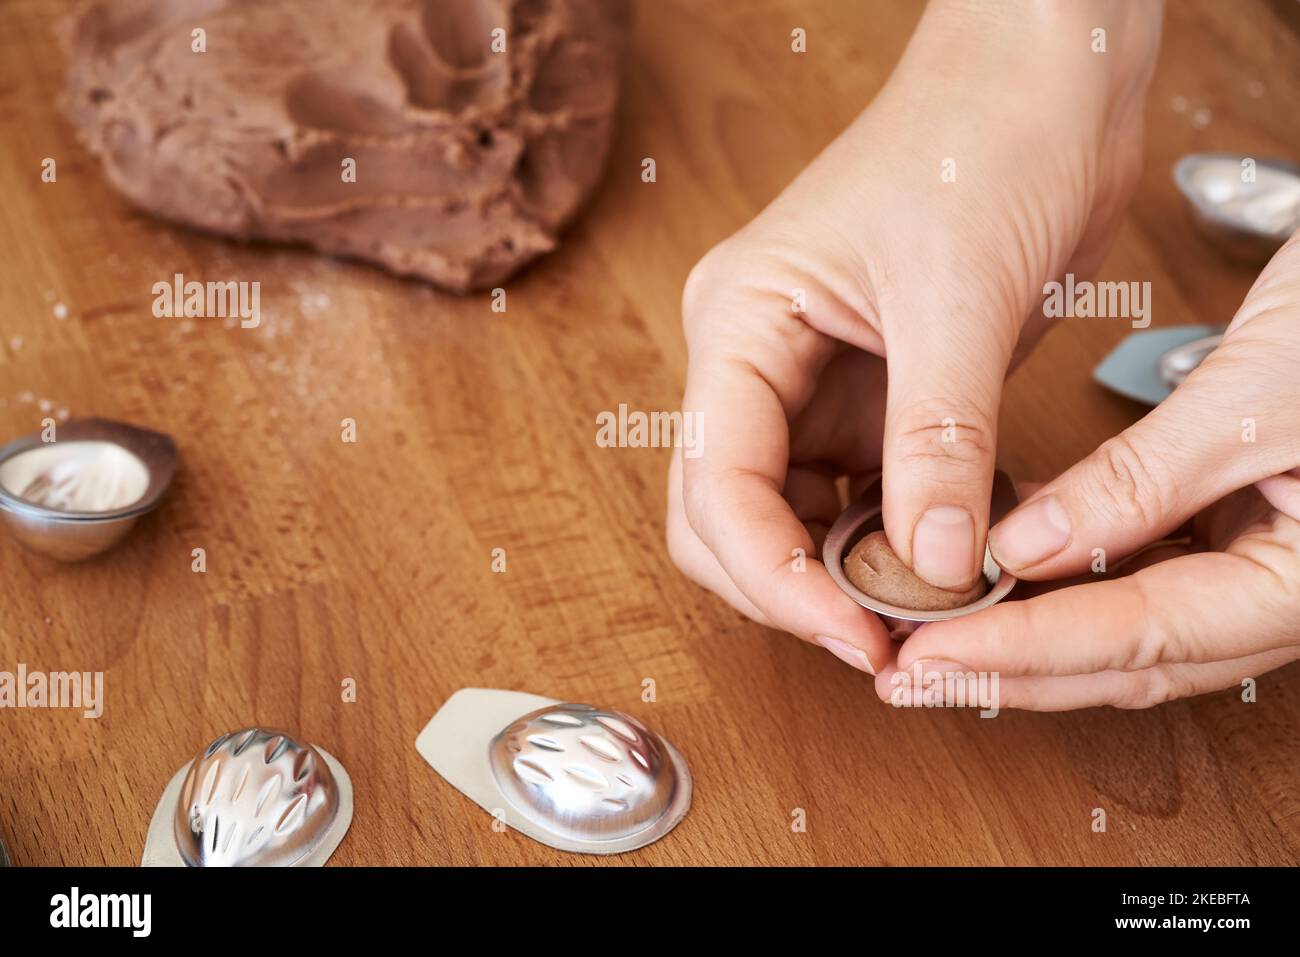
(4, 856)
(252, 798)
(1177, 364)
(1247, 220)
(571, 776)
(865, 515)
(72, 535)
(1148, 365)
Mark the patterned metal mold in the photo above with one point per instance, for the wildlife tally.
(252, 798)
(572, 776)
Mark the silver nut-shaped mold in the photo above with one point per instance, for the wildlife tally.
(572, 776)
(252, 798)
(865, 515)
(584, 773)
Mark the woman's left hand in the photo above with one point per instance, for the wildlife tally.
(1223, 450)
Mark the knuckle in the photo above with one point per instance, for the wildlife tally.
(1146, 689)
(1126, 490)
(699, 281)
(1154, 638)
(1279, 565)
(714, 275)
(679, 544)
(1147, 649)
(695, 501)
(940, 434)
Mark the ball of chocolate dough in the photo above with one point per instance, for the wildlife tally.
(876, 570)
(393, 131)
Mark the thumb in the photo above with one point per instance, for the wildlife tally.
(939, 446)
(1193, 449)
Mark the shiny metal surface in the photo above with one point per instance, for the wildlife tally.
(586, 774)
(864, 515)
(1220, 219)
(76, 536)
(1177, 364)
(254, 798)
(1134, 370)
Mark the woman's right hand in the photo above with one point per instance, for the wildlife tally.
(867, 318)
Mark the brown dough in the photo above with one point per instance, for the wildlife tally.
(468, 162)
(877, 570)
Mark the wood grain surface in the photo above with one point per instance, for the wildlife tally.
(476, 431)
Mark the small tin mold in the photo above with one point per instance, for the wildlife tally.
(1247, 218)
(252, 798)
(76, 497)
(1148, 365)
(1177, 364)
(865, 515)
(572, 776)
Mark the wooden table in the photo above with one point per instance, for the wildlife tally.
(371, 561)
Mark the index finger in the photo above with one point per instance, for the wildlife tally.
(732, 495)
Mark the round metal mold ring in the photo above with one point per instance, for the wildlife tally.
(864, 516)
(155, 450)
(590, 776)
(1243, 236)
(76, 536)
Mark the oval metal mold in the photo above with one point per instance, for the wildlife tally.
(255, 797)
(586, 774)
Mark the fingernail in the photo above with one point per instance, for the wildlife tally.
(1031, 534)
(943, 547)
(847, 653)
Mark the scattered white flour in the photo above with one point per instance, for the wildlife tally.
(60, 311)
(1202, 117)
(313, 304)
(1178, 104)
(16, 343)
